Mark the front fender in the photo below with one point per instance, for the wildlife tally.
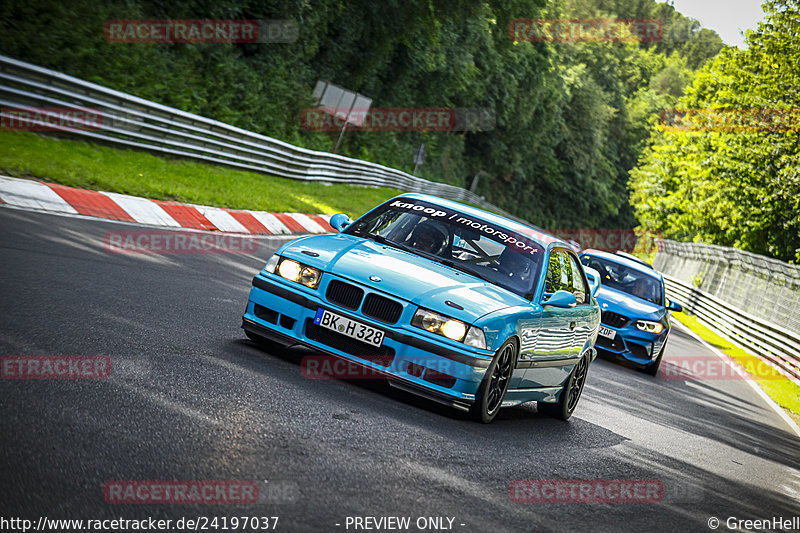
(517, 321)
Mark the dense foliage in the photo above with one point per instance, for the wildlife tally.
(729, 173)
(571, 118)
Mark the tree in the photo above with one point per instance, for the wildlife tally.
(571, 118)
(730, 175)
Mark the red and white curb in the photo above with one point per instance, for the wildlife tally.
(56, 198)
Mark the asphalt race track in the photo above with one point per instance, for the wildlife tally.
(190, 398)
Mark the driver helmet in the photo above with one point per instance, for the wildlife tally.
(515, 264)
(429, 237)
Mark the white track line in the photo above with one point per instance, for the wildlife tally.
(736, 368)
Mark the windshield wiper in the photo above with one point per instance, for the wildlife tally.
(388, 242)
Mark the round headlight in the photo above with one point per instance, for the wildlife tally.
(454, 329)
(431, 322)
(289, 269)
(309, 277)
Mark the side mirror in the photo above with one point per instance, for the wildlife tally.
(340, 221)
(561, 299)
(674, 306)
(594, 279)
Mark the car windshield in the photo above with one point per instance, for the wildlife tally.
(626, 279)
(464, 242)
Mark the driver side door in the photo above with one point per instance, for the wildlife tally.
(553, 353)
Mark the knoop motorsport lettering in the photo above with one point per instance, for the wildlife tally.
(520, 243)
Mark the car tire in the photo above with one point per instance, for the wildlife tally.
(570, 394)
(495, 383)
(652, 368)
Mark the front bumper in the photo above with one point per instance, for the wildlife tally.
(632, 345)
(284, 312)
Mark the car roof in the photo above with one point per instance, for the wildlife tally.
(534, 233)
(622, 260)
(633, 258)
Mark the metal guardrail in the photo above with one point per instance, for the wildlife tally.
(773, 343)
(761, 286)
(134, 122)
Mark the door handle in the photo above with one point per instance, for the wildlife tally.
(572, 325)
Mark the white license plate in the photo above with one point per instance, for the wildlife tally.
(607, 332)
(351, 328)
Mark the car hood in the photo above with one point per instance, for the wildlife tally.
(628, 305)
(402, 274)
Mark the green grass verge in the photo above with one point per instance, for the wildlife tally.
(786, 393)
(90, 166)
